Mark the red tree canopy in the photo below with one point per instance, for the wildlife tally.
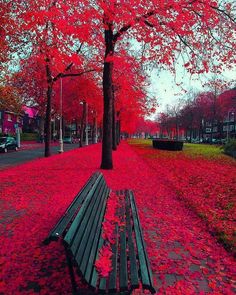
(227, 101)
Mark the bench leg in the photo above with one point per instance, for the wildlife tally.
(71, 271)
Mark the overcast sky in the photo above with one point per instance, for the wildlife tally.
(163, 85)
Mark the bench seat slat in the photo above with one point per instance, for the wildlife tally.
(63, 222)
(134, 281)
(123, 253)
(103, 285)
(146, 273)
(113, 275)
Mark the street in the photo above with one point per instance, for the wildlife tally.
(13, 158)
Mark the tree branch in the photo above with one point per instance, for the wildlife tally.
(149, 24)
(223, 12)
(75, 74)
(69, 66)
(184, 42)
(136, 20)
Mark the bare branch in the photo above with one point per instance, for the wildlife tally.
(185, 42)
(76, 74)
(218, 41)
(223, 12)
(149, 24)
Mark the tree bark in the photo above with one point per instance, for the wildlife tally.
(108, 98)
(118, 128)
(47, 152)
(95, 127)
(114, 139)
(82, 124)
(177, 129)
(191, 132)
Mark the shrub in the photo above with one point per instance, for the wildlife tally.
(171, 145)
(29, 136)
(230, 147)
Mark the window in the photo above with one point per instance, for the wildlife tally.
(9, 118)
(231, 118)
(231, 127)
(215, 129)
(208, 124)
(208, 130)
(225, 128)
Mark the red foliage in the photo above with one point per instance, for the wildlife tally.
(147, 126)
(227, 101)
(208, 190)
(34, 195)
(103, 263)
(111, 220)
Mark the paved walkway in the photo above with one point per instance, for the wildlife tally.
(185, 258)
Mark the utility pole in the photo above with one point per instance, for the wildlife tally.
(61, 150)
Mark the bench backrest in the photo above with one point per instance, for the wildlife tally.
(83, 237)
(63, 223)
(81, 227)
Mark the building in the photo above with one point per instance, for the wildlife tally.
(223, 129)
(28, 121)
(31, 120)
(9, 121)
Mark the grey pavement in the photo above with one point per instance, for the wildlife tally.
(13, 158)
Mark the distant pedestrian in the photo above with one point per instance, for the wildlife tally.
(41, 138)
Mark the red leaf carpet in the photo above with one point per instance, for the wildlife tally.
(185, 257)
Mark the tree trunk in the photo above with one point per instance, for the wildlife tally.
(108, 98)
(41, 129)
(47, 152)
(177, 130)
(118, 132)
(114, 139)
(76, 128)
(82, 124)
(118, 128)
(191, 132)
(95, 128)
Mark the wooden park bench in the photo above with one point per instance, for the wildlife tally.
(80, 229)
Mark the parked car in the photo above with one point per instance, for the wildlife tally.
(8, 143)
(69, 139)
(216, 140)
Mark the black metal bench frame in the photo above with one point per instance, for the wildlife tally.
(80, 229)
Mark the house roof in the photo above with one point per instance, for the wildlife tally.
(30, 111)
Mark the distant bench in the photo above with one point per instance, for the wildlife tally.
(80, 229)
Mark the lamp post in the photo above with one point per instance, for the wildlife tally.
(227, 134)
(95, 127)
(61, 150)
(86, 123)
